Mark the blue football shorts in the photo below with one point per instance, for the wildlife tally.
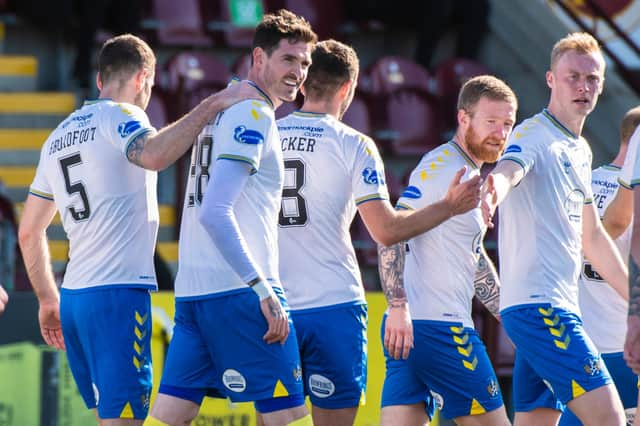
(107, 333)
(448, 368)
(555, 359)
(625, 381)
(217, 350)
(333, 351)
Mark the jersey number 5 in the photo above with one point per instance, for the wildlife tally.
(293, 211)
(75, 188)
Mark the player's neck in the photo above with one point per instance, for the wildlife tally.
(572, 122)
(321, 107)
(458, 138)
(254, 77)
(622, 153)
(117, 94)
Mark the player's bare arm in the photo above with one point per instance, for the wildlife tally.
(487, 284)
(156, 151)
(632, 341)
(398, 332)
(619, 213)
(602, 253)
(505, 176)
(388, 226)
(36, 217)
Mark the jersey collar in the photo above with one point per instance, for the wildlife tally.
(300, 113)
(558, 124)
(264, 95)
(464, 154)
(95, 101)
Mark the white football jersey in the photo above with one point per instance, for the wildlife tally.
(540, 238)
(440, 264)
(330, 169)
(108, 205)
(598, 300)
(244, 132)
(630, 174)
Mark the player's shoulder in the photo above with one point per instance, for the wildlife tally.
(442, 162)
(249, 111)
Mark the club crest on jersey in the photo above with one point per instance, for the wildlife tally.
(372, 177)
(513, 148)
(243, 135)
(412, 192)
(125, 129)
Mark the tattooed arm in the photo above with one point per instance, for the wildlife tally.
(632, 342)
(398, 330)
(156, 151)
(487, 284)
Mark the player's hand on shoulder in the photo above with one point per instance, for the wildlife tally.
(50, 326)
(273, 312)
(463, 196)
(237, 91)
(398, 331)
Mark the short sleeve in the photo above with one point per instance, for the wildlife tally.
(522, 147)
(427, 183)
(630, 174)
(40, 186)
(125, 123)
(368, 178)
(245, 127)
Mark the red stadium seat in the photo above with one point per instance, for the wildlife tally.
(391, 73)
(177, 23)
(323, 15)
(242, 66)
(191, 76)
(413, 122)
(357, 116)
(232, 22)
(449, 78)
(157, 111)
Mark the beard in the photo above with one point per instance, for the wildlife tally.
(480, 149)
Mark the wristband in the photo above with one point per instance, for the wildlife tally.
(263, 290)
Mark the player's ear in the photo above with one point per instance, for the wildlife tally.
(98, 81)
(549, 78)
(463, 118)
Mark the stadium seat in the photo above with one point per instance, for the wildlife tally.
(232, 22)
(177, 23)
(412, 122)
(323, 15)
(157, 111)
(357, 116)
(191, 76)
(392, 73)
(242, 66)
(449, 78)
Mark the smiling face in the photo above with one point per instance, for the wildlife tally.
(486, 128)
(281, 73)
(576, 80)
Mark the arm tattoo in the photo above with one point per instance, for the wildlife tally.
(135, 148)
(487, 284)
(634, 287)
(391, 268)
